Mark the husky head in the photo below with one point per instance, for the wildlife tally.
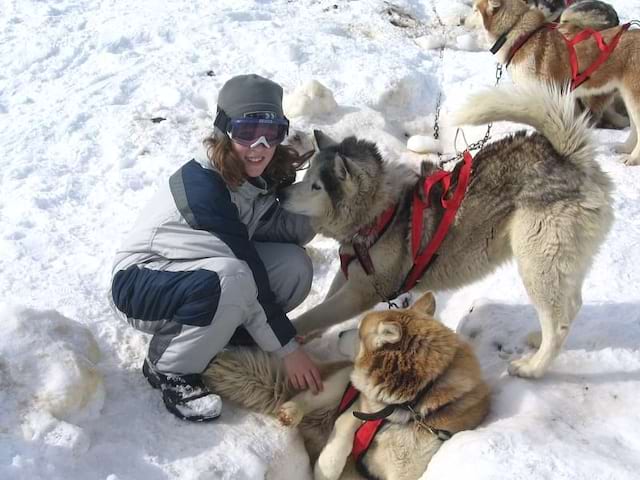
(340, 184)
(400, 351)
(498, 15)
(550, 8)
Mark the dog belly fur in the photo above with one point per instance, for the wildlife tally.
(401, 453)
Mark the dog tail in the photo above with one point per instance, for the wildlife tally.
(550, 109)
(248, 377)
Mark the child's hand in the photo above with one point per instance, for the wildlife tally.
(302, 372)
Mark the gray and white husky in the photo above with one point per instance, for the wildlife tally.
(583, 13)
(538, 197)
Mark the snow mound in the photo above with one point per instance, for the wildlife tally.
(48, 362)
(310, 99)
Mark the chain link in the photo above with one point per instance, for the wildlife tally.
(436, 134)
(443, 28)
(436, 121)
(480, 143)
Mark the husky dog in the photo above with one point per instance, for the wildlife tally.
(540, 198)
(597, 15)
(545, 56)
(551, 8)
(402, 358)
(583, 13)
(431, 380)
(590, 14)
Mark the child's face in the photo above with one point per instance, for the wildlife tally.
(255, 159)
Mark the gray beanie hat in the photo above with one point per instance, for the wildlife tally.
(251, 93)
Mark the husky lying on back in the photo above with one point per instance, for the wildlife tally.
(539, 198)
(404, 361)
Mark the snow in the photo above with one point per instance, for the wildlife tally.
(81, 81)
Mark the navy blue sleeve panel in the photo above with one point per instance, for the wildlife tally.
(279, 225)
(189, 298)
(203, 200)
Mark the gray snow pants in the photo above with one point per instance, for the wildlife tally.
(182, 348)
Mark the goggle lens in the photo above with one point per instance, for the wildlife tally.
(246, 131)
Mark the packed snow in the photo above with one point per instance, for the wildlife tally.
(101, 100)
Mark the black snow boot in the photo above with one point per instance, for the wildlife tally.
(186, 396)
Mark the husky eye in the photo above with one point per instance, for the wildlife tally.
(316, 186)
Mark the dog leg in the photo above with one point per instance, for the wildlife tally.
(348, 302)
(336, 284)
(631, 146)
(616, 120)
(552, 263)
(333, 457)
(597, 106)
(291, 413)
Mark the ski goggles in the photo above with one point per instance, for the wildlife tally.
(251, 132)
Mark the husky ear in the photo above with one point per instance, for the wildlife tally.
(323, 141)
(342, 167)
(388, 332)
(425, 304)
(493, 5)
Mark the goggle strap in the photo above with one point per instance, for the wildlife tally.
(222, 121)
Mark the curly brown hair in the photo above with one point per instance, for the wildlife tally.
(280, 172)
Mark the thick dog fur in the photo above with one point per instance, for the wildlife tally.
(400, 353)
(256, 380)
(539, 198)
(545, 57)
(582, 13)
(397, 354)
(590, 14)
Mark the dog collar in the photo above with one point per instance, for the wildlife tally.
(364, 239)
(372, 423)
(522, 40)
(499, 42)
(501, 39)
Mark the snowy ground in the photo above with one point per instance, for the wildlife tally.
(80, 84)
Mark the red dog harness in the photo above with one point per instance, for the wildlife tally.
(577, 78)
(364, 240)
(373, 422)
(366, 432)
(367, 237)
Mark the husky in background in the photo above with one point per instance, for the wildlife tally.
(596, 15)
(590, 14)
(545, 57)
(582, 13)
(540, 198)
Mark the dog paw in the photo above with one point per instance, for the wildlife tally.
(534, 339)
(525, 368)
(304, 339)
(289, 414)
(326, 469)
(623, 148)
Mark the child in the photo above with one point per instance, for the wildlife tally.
(213, 254)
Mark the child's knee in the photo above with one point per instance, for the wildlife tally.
(238, 287)
(300, 278)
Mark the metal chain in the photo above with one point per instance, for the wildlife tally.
(436, 119)
(436, 134)
(480, 143)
